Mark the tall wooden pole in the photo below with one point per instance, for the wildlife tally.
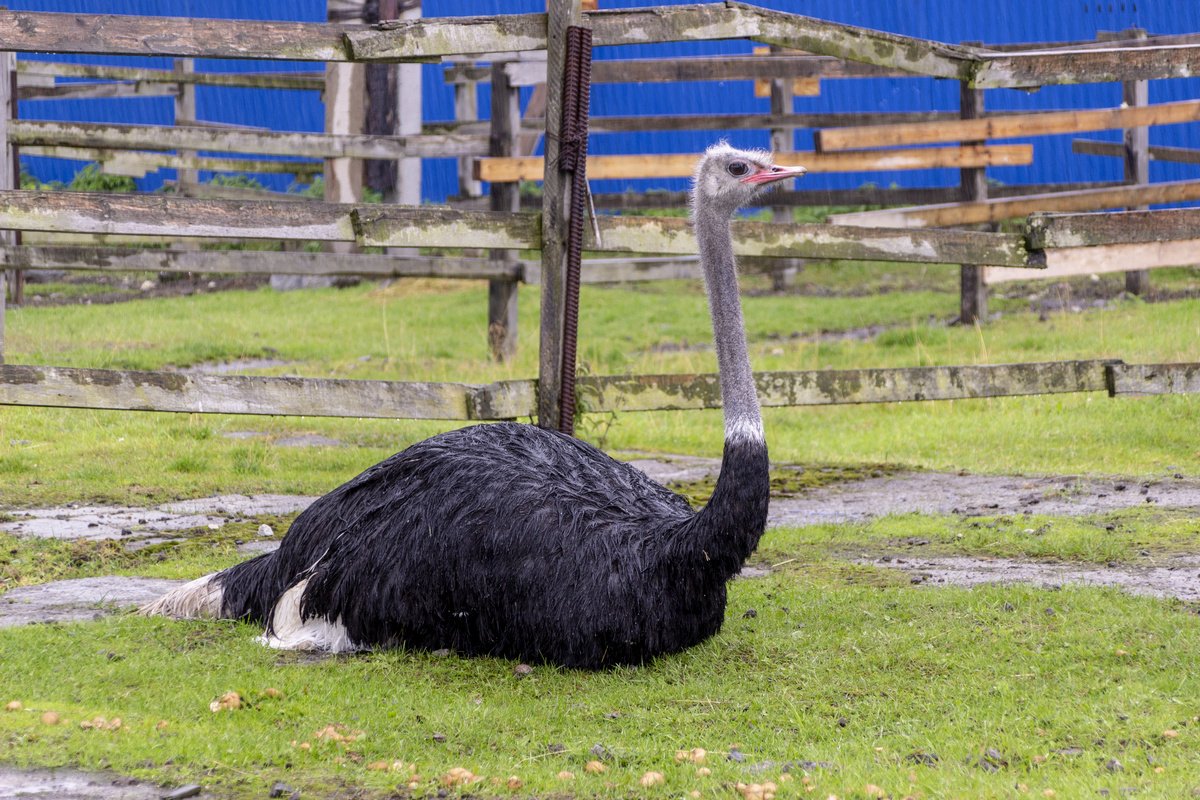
(185, 114)
(973, 183)
(555, 197)
(783, 140)
(502, 293)
(1137, 161)
(9, 178)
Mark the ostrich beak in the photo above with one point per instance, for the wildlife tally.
(772, 174)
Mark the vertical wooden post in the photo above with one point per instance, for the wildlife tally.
(502, 293)
(555, 198)
(380, 174)
(408, 117)
(9, 177)
(466, 109)
(973, 182)
(185, 114)
(1137, 161)
(783, 140)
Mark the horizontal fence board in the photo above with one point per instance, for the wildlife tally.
(709, 122)
(136, 163)
(251, 80)
(674, 236)
(1093, 65)
(252, 262)
(834, 387)
(1005, 127)
(1065, 262)
(1152, 379)
(162, 215)
(231, 394)
(1002, 209)
(1084, 230)
(309, 145)
(119, 34)
(67, 387)
(407, 226)
(1179, 155)
(866, 195)
(524, 168)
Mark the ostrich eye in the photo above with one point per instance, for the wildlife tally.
(738, 169)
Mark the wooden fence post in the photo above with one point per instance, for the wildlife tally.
(502, 292)
(973, 183)
(1137, 161)
(783, 140)
(466, 109)
(555, 198)
(409, 116)
(185, 114)
(9, 177)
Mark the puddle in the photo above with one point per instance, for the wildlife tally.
(1177, 577)
(307, 440)
(79, 600)
(65, 784)
(103, 522)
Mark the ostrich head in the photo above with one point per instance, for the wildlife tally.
(727, 178)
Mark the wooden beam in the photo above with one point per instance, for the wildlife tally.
(400, 226)
(1012, 207)
(232, 394)
(162, 215)
(1179, 155)
(1024, 70)
(701, 122)
(1005, 127)
(508, 170)
(1068, 262)
(1044, 231)
(65, 387)
(1154, 379)
(312, 81)
(252, 262)
(137, 163)
(308, 145)
(118, 34)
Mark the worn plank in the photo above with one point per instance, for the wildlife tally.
(673, 235)
(508, 170)
(401, 226)
(252, 80)
(709, 122)
(1085, 230)
(1005, 127)
(674, 70)
(307, 145)
(66, 387)
(136, 163)
(119, 34)
(1064, 262)
(162, 215)
(1179, 155)
(833, 387)
(251, 262)
(1012, 207)
(1091, 65)
(1151, 379)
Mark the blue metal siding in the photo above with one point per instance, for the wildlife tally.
(945, 20)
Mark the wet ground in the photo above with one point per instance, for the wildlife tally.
(854, 500)
(65, 784)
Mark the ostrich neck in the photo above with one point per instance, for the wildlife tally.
(738, 395)
(727, 530)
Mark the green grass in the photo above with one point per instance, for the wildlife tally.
(861, 678)
(422, 330)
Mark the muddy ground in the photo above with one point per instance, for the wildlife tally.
(849, 501)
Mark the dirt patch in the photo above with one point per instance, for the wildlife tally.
(78, 600)
(1176, 576)
(237, 365)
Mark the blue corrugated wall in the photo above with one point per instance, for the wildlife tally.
(945, 20)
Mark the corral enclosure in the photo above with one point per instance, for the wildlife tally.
(805, 53)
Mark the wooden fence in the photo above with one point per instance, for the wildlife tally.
(52, 223)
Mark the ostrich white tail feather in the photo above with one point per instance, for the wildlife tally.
(289, 631)
(196, 599)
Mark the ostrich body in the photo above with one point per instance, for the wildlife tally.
(514, 541)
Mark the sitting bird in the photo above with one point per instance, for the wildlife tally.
(514, 541)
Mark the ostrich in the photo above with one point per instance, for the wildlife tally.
(514, 541)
